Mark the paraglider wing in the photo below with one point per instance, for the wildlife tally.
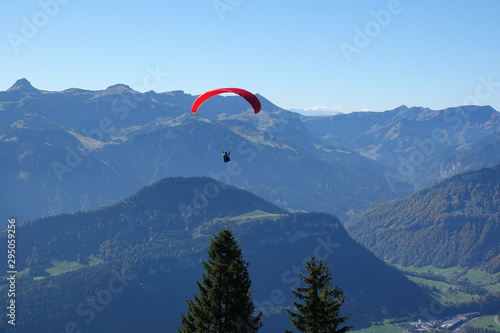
(251, 98)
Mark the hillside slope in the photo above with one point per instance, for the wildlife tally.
(157, 239)
(455, 222)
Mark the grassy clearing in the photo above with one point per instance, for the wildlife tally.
(456, 272)
(240, 219)
(494, 287)
(59, 267)
(473, 275)
(256, 214)
(445, 293)
(383, 327)
(487, 323)
(476, 276)
(449, 273)
(490, 280)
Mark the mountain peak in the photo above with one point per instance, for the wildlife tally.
(188, 197)
(119, 89)
(24, 86)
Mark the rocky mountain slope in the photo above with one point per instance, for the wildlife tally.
(420, 145)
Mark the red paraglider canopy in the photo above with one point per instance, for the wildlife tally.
(251, 98)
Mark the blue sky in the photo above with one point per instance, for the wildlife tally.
(315, 55)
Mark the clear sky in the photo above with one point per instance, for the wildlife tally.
(326, 55)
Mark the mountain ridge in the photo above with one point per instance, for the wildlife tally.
(148, 239)
(452, 223)
(421, 145)
(127, 140)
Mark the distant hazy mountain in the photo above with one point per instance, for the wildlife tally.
(453, 223)
(78, 149)
(151, 246)
(421, 145)
(317, 111)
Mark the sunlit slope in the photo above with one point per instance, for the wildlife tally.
(453, 223)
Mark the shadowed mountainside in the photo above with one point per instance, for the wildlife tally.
(150, 248)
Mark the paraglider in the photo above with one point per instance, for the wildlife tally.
(225, 156)
(248, 96)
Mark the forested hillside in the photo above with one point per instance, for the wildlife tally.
(455, 222)
(143, 255)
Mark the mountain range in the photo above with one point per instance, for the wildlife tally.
(149, 249)
(78, 149)
(421, 146)
(117, 194)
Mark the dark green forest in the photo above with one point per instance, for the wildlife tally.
(150, 240)
(453, 223)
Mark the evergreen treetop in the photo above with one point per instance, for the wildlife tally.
(223, 303)
(319, 309)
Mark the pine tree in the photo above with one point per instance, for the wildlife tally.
(319, 312)
(224, 303)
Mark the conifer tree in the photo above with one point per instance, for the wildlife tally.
(223, 303)
(320, 307)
